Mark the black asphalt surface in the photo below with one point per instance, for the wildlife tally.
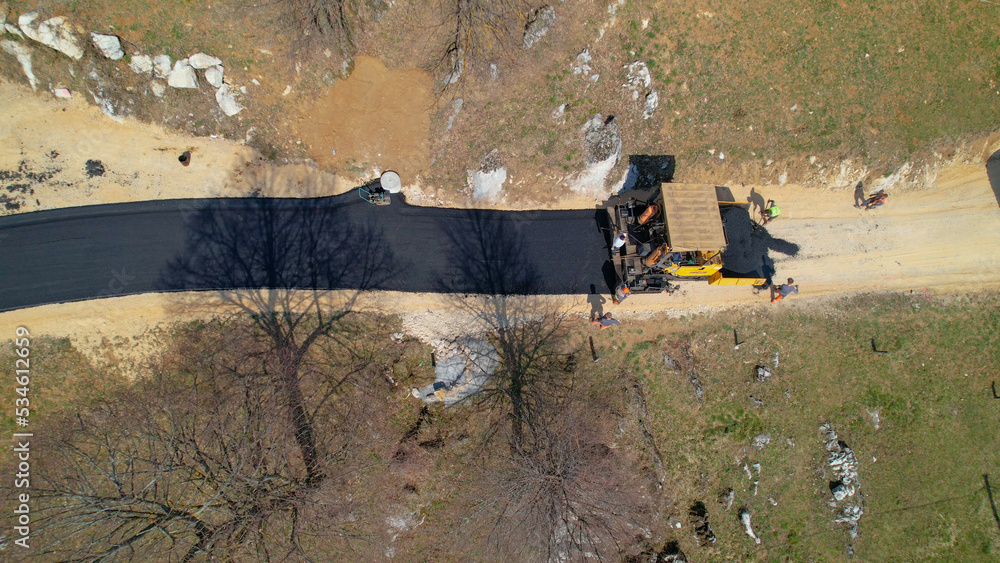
(339, 242)
(993, 173)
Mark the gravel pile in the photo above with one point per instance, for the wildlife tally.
(461, 374)
(846, 488)
(465, 359)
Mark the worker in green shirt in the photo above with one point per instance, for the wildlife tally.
(771, 211)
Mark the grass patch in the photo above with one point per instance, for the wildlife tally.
(920, 469)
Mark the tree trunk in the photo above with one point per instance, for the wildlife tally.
(517, 414)
(289, 379)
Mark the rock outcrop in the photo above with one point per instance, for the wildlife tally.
(23, 56)
(141, 64)
(745, 519)
(698, 516)
(54, 32)
(213, 75)
(161, 66)
(109, 45)
(227, 101)
(487, 182)
(201, 61)
(846, 488)
(182, 76)
(538, 25)
(602, 147)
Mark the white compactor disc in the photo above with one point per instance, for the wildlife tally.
(390, 182)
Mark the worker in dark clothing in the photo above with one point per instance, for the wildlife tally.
(859, 195)
(783, 290)
(605, 321)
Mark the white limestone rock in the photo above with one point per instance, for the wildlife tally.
(839, 491)
(581, 64)
(53, 32)
(141, 64)
(538, 25)
(227, 101)
(486, 185)
(23, 55)
(107, 108)
(213, 75)
(109, 45)
(456, 107)
(12, 29)
(488, 181)
(638, 78)
(182, 76)
(202, 61)
(602, 148)
(559, 114)
(161, 66)
(652, 102)
(158, 88)
(745, 519)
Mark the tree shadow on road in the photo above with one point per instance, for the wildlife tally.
(488, 256)
(254, 245)
(279, 262)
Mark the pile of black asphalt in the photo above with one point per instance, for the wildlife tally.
(340, 242)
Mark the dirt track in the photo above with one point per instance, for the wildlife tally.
(942, 237)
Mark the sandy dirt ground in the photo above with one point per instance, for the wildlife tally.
(939, 236)
(53, 140)
(377, 118)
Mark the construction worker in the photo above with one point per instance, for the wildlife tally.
(783, 290)
(621, 293)
(876, 200)
(770, 212)
(620, 241)
(859, 195)
(605, 321)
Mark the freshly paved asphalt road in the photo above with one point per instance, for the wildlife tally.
(339, 242)
(993, 173)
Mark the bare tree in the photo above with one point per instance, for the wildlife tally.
(532, 371)
(198, 460)
(279, 263)
(554, 489)
(177, 466)
(481, 28)
(526, 329)
(573, 494)
(333, 21)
